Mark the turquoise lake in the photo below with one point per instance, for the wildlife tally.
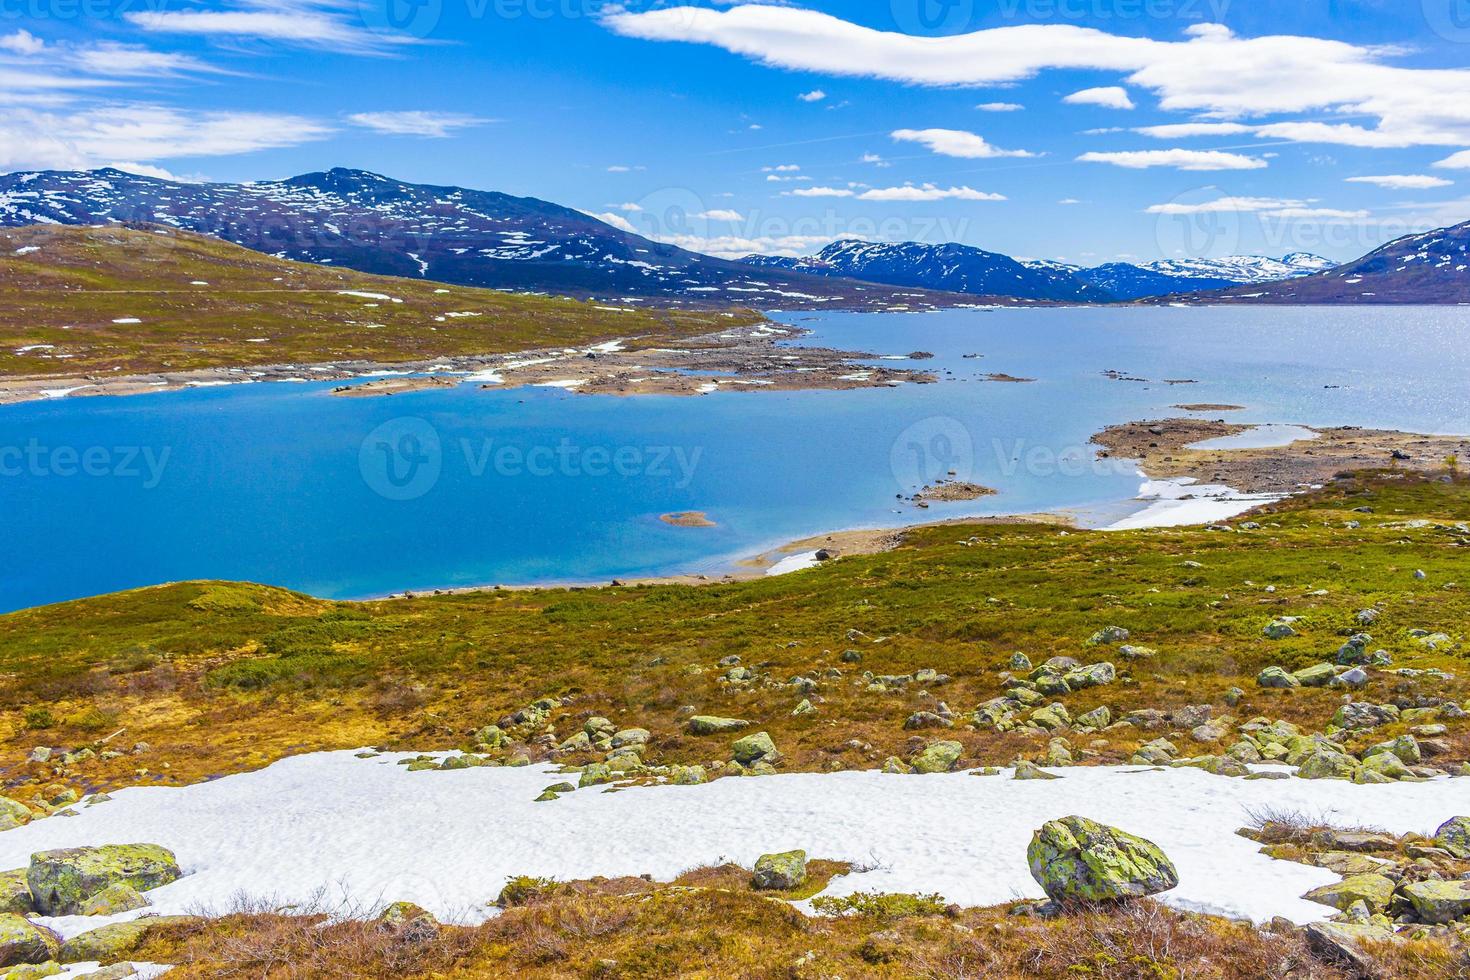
(285, 484)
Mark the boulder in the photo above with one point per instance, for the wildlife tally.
(1079, 859)
(1361, 715)
(1354, 651)
(22, 941)
(1325, 764)
(1317, 675)
(780, 872)
(409, 921)
(1052, 717)
(1387, 765)
(114, 899)
(925, 719)
(1278, 629)
(1030, 770)
(1093, 675)
(1277, 677)
(715, 725)
(13, 813)
(1108, 635)
(1438, 901)
(754, 748)
(938, 757)
(1405, 747)
(688, 775)
(15, 894)
(1374, 890)
(630, 737)
(114, 942)
(1341, 942)
(1096, 718)
(61, 881)
(1454, 836)
(596, 774)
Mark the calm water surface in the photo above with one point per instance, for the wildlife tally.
(283, 483)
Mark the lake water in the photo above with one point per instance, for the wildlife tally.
(340, 497)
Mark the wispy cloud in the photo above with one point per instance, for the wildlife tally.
(928, 192)
(1108, 97)
(1403, 182)
(434, 125)
(956, 143)
(1000, 107)
(302, 23)
(1178, 159)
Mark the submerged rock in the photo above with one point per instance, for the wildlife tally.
(1080, 859)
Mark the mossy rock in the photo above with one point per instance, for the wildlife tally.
(110, 943)
(1328, 765)
(23, 941)
(13, 813)
(688, 775)
(61, 881)
(753, 748)
(938, 757)
(1438, 901)
(28, 971)
(1374, 890)
(15, 893)
(1454, 836)
(1079, 859)
(715, 725)
(114, 899)
(780, 872)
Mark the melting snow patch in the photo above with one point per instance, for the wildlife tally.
(359, 827)
(1182, 502)
(794, 563)
(127, 319)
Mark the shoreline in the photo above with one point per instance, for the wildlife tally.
(742, 358)
(1179, 486)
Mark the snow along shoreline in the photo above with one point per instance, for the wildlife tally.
(358, 833)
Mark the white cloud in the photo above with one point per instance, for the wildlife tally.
(619, 168)
(781, 168)
(736, 246)
(1179, 159)
(435, 125)
(955, 143)
(815, 95)
(1069, 200)
(306, 23)
(628, 207)
(721, 214)
(1000, 107)
(97, 136)
(1210, 70)
(22, 43)
(1108, 97)
(928, 192)
(819, 192)
(1268, 207)
(616, 220)
(1456, 161)
(1186, 130)
(1403, 182)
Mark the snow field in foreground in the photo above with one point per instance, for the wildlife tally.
(368, 832)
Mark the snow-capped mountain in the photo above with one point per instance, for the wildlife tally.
(370, 223)
(950, 267)
(1432, 267)
(1128, 281)
(965, 269)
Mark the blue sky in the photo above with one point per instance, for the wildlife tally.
(1025, 126)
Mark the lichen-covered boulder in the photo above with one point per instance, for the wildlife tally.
(595, 775)
(62, 880)
(687, 775)
(22, 941)
(1326, 764)
(15, 893)
(1096, 718)
(1438, 901)
(410, 922)
(715, 725)
(1108, 636)
(1361, 714)
(13, 813)
(1080, 859)
(110, 943)
(1093, 675)
(51, 968)
(1454, 836)
(938, 757)
(1052, 717)
(1374, 890)
(1317, 675)
(1276, 677)
(1278, 629)
(1030, 770)
(113, 900)
(754, 748)
(780, 872)
(1406, 747)
(1388, 765)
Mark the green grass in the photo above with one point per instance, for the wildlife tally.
(222, 676)
(69, 291)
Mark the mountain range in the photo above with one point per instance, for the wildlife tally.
(966, 269)
(353, 219)
(374, 224)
